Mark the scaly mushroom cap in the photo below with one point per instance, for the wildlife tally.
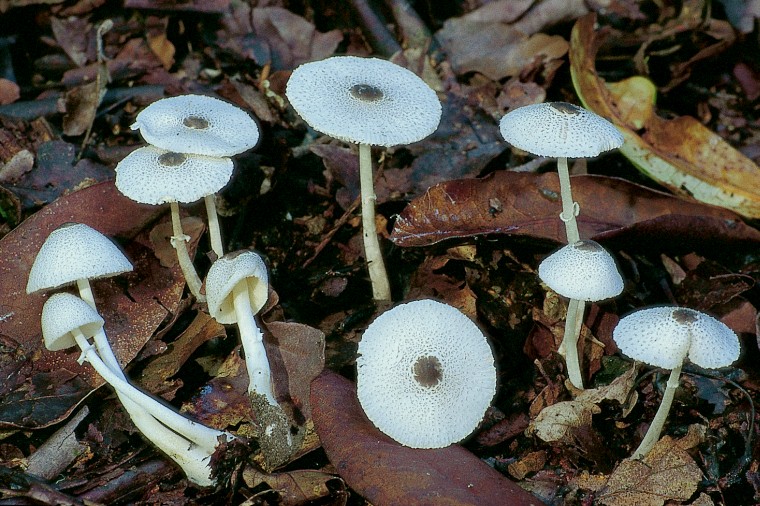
(364, 100)
(559, 129)
(233, 268)
(664, 336)
(582, 271)
(61, 315)
(425, 374)
(75, 251)
(197, 124)
(151, 175)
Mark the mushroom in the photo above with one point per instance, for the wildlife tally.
(583, 272)
(150, 175)
(69, 321)
(563, 131)
(425, 374)
(370, 102)
(664, 337)
(199, 125)
(237, 287)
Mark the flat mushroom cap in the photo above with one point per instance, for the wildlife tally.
(197, 124)
(75, 251)
(664, 336)
(582, 271)
(364, 101)
(425, 374)
(559, 129)
(62, 314)
(154, 176)
(233, 268)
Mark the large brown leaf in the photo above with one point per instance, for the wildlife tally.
(42, 387)
(528, 204)
(384, 472)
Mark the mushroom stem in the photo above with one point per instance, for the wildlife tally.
(573, 325)
(569, 206)
(381, 290)
(655, 428)
(256, 362)
(179, 241)
(101, 341)
(205, 437)
(214, 230)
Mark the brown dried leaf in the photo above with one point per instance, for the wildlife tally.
(610, 207)
(385, 472)
(667, 473)
(299, 486)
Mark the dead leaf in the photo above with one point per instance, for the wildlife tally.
(209, 6)
(133, 306)
(680, 153)
(667, 473)
(610, 208)
(9, 91)
(299, 486)
(384, 472)
(74, 35)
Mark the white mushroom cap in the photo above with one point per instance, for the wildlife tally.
(582, 271)
(425, 374)
(364, 100)
(233, 268)
(75, 251)
(559, 129)
(151, 175)
(197, 124)
(63, 313)
(663, 337)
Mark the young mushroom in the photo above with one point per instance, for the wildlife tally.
(237, 287)
(69, 321)
(664, 337)
(150, 175)
(562, 131)
(425, 374)
(583, 272)
(199, 125)
(370, 102)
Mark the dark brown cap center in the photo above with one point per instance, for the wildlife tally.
(427, 371)
(587, 245)
(366, 92)
(195, 122)
(566, 108)
(171, 159)
(684, 316)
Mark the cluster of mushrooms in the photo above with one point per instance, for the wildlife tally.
(425, 371)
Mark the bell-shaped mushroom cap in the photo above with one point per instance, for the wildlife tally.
(61, 315)
(233, 268)
(364, 100)
(582, 271)
(559, 129)
(75, 251)
(425, 374)
(664, 336)
(151, 175)
(197, 124)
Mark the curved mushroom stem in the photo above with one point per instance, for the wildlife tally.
(101, 341)
(179, 241)
(205, 437)
(259, 373)
(214, 231)
(569, 207)
(655, 428)
(381, 290)
(573, 325)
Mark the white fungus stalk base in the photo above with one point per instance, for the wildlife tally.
(179, 242)
(655, 428)
(573, 325)
(214, 231)
(256, 362)
(381, 290)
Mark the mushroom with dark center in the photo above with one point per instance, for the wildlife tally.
(195, 122)
(390, 106)
(428, 371)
